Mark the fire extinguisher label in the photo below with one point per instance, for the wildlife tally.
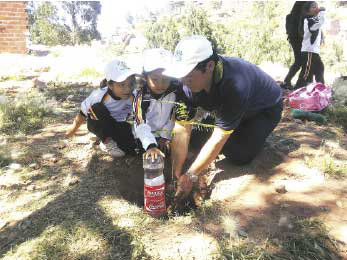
(155, 199)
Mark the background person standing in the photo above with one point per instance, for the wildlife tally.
(295, 38)
(312, 64)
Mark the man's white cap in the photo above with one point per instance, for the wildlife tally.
(188, 53)
(157, 58)
(118, 71)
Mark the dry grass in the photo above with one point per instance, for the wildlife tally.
(25, 114)
(5, 156)
(14, 78)
(308, 240)
(338, 115)
(326, 161)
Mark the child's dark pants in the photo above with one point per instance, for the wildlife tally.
(104, 126)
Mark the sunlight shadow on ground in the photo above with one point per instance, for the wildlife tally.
(78, 204)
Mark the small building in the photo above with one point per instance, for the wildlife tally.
(13, 27)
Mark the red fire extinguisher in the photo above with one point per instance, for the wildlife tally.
(154, 189)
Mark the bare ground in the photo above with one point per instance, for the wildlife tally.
(64, 199)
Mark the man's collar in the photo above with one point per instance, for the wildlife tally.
(218, 72)
(217, 75)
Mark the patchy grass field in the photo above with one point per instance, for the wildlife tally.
(65, 199)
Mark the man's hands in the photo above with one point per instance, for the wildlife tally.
(184, 187)
(207, 154)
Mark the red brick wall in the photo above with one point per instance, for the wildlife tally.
(13, 27)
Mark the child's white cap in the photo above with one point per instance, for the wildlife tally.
(188, 53)
(157, 58)
(118, 71)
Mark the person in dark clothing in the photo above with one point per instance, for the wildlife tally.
(311, 64)
(295, 40)
(247, 103)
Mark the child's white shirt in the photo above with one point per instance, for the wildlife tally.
(119, 109)
(313, 33)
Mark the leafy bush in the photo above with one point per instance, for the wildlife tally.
(163, 33)
(24, 115)
(239, 36)
(195, 21)
(261, 39)
(340, 90)
(255, 33)
(112, 50)
(167, 32)
(332, 55)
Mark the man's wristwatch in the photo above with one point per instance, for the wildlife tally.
(193, 177)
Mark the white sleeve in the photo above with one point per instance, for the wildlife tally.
(93, 98)
(321, 20)
(144, 133)
(142, 130)
(85, 105)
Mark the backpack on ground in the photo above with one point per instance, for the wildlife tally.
(313, 97)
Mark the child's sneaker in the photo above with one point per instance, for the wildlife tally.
(112, 149)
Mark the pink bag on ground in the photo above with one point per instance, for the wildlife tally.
(313, 97)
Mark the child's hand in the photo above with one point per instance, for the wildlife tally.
(164, 145)
(70, 133)
(153, 153)
(78, 121)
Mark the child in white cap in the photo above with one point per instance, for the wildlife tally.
(157, 103)
(107, 109)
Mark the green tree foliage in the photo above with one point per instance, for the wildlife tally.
(83, 20)
(44, 26)
(77, 24)
(163, 33)
(260, 39)
(166, 32)
(195, 21)
(256, 40)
